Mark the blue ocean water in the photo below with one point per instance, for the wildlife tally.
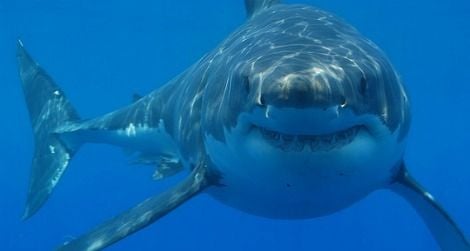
(102, 52)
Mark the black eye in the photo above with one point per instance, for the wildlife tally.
(363, 86)
(262, 101)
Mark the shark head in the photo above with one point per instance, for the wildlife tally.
(303, 115)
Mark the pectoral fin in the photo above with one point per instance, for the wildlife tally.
(443, 228)
(141, 215)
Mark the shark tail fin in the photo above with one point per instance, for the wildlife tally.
(446, 232)
(254, 6)
(48, 109)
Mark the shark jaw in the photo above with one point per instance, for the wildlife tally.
(309, 142)
(305, 130)
(313, 169)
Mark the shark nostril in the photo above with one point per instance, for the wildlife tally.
(246, 84)
(363, 86)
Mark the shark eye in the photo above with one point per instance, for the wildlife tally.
(262, 101)
(363, 86)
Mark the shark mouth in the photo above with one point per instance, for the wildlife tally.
(315, 143)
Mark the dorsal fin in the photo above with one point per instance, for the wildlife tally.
(136, 97)
(254, 6)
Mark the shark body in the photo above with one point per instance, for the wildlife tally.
(294, 115)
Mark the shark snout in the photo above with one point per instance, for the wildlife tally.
(303, 91)
(306, 121)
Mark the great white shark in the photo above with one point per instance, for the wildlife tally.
(294, 115)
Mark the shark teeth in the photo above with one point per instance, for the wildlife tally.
(316, 143)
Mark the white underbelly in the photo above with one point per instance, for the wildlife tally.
(133, 137)
(268, 182)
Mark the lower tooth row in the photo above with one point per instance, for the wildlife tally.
(298, 144)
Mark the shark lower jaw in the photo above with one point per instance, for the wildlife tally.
(318, 142)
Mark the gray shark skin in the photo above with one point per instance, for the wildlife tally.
(294, 115)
